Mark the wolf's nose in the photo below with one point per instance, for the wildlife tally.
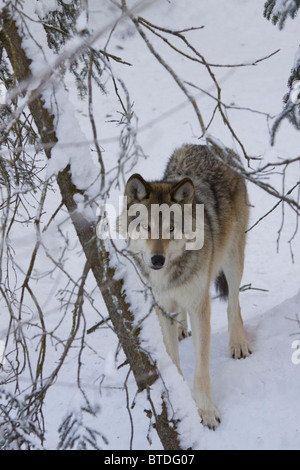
(157, 261)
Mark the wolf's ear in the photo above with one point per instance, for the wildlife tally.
(183, 192)
(137, 188)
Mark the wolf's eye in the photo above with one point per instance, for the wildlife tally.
(172, 228)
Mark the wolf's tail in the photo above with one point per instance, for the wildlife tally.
(221, 285)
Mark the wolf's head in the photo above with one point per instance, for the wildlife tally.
(156, 219)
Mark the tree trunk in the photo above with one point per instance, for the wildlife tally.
(145, 372)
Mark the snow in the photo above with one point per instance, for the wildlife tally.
(67, 127)
(81, 22)
(283, 6)
(258, 397)
(268, 382)
(296, 59)
(84, 169)
(2, 93)
(42, 8)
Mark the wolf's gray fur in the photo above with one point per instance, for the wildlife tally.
(179, 278)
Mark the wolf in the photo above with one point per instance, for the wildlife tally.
(180, 278)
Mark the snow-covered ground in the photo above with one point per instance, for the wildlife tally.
(257, 397)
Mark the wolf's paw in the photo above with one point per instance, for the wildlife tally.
(240, 350)
(210, 418)
(183, 332)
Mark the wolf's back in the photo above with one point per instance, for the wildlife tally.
(217, 184)
(200, 162)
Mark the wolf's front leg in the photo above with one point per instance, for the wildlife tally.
(200, 322)
(170, 334)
